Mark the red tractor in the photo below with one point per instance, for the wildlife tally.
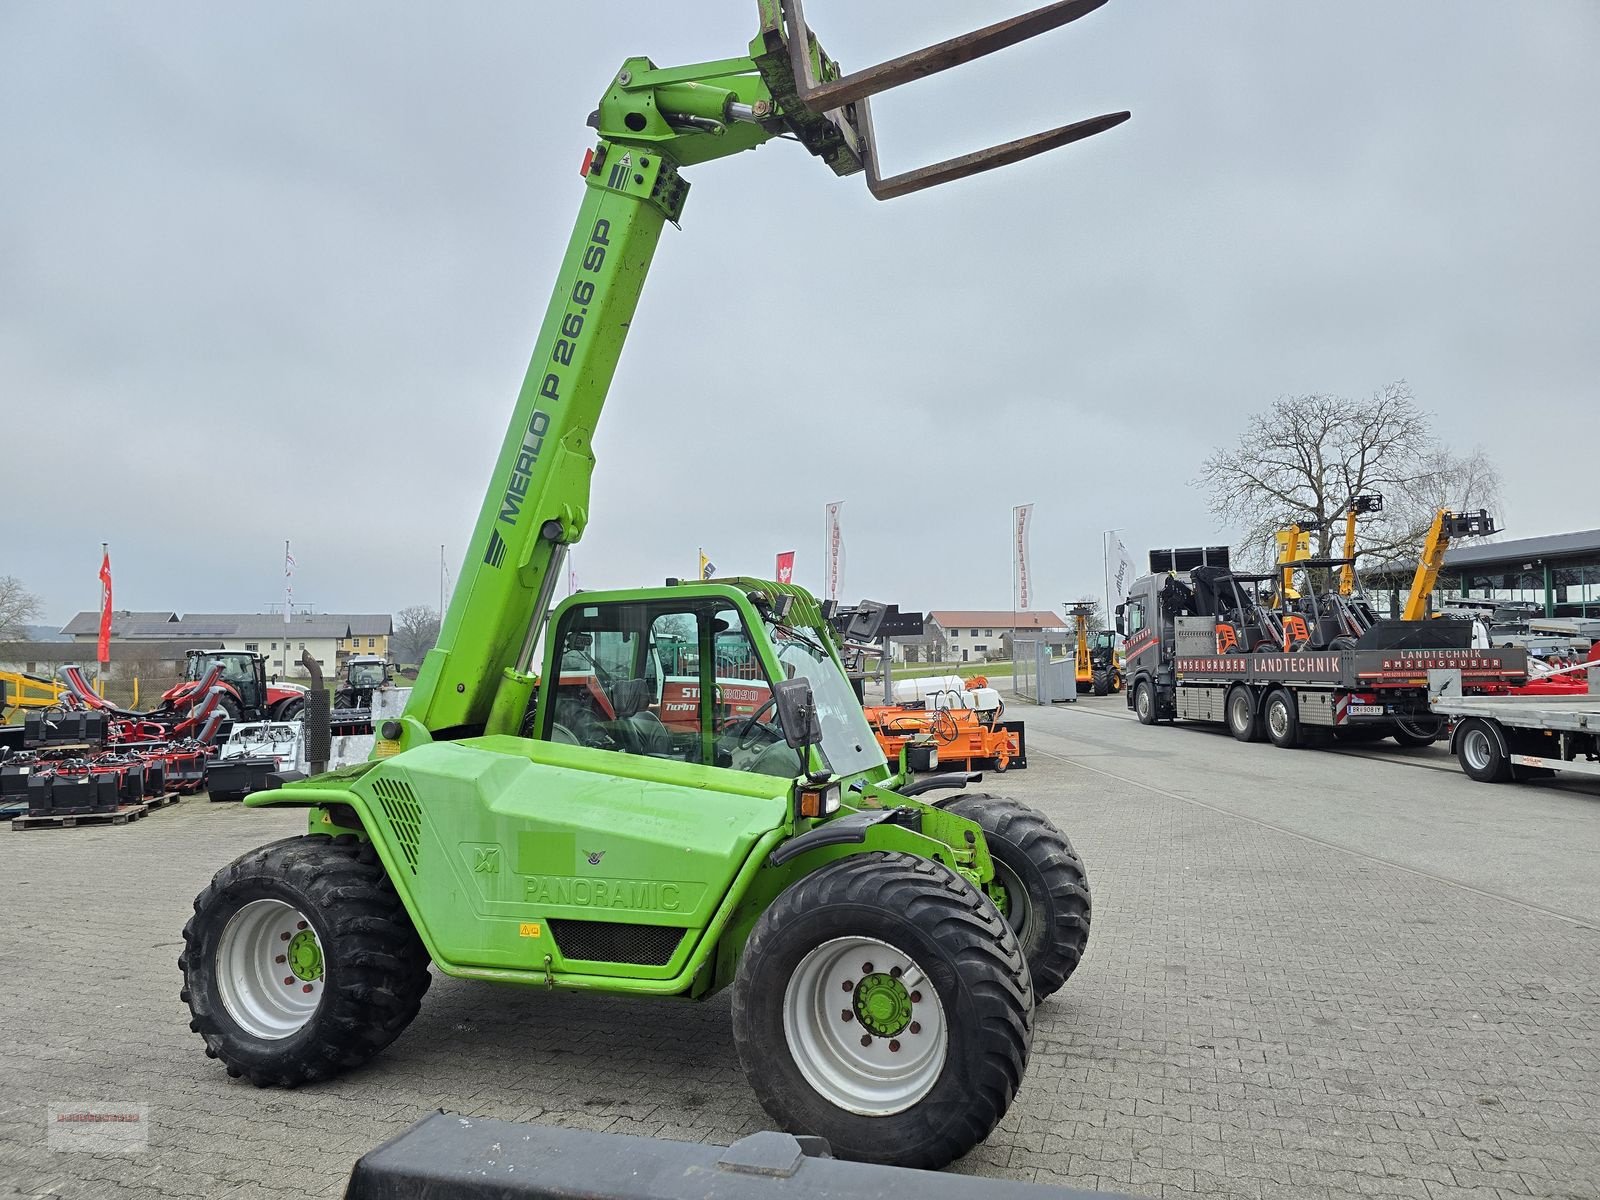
(246, 694)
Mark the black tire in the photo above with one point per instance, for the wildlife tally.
(372, 965)
(1422, 731)
(1243, 717)
(1342, 642)
(1048, 904)
(969, 956)
(1144, 702)
(228, 704)
(1280, 716)
(290, 710)
(1102, 683)
(1480, 753)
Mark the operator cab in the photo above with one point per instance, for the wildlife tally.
(366, 672)
(243, 671)
(684, 678)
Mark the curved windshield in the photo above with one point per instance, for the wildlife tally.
(847, 739)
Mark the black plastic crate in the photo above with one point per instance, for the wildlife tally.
(41, 791)
(82, 793)
(64, 728)
(14, 780)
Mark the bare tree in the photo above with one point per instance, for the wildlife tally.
(17, 607)
(415, 632)
(1304, 458)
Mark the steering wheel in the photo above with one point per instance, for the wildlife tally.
(753, 722)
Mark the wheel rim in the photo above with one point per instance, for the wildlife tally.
(1278, 717)
(1144, 700)
(1475, 746)
(270, 969)
(865, 1026)
(1014, 904)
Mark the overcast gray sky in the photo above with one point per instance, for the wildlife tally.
(274, 270)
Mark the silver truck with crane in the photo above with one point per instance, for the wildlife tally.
(1207, 643)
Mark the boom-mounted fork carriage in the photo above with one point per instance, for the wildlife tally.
(691, 799)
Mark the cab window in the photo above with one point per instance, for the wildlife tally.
(1135, 616)
(665, 680)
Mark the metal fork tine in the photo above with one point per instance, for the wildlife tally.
(927, 61)
(985, 160)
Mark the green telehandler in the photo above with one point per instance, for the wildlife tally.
(684, 794)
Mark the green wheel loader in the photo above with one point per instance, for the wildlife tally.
(681, 793)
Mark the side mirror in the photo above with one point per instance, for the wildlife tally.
(797, 713)
(1122, 621)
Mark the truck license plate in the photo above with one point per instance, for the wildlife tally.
(1365, 710)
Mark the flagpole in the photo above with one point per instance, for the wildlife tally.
(1105, 572)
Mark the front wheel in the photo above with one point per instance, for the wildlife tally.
(291, 710)
(882, 1003)
(300, 961)
(1144, 702)
(1043, 889)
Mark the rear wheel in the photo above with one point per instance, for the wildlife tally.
(1281, 715)
(1102, 683)
(300, 961)
(884, 1004)
(1244, 721)
(291, 710)
(1144, 702)
(1480, 754)
(1044, 889)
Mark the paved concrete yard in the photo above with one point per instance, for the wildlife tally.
(1314, 974)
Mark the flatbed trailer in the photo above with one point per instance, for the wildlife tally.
(1500, 738)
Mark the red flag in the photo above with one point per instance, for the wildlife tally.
(786, 567)
(105, 605)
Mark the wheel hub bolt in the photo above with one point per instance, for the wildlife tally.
(895, 972)
(300, 925)
(283, 937)
(916, 997)
(848, 986)
(846, 1015)
(866, 1039)
(288, 981)
(280, 959)
(914, 1027)
(894, 1046)
(866, 968)
(306, 988)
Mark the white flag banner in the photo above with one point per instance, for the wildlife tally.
(288, 585)
(1021, 586)
(835, 546)
(1126, 572)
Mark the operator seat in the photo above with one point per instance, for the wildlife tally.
(638, 729)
